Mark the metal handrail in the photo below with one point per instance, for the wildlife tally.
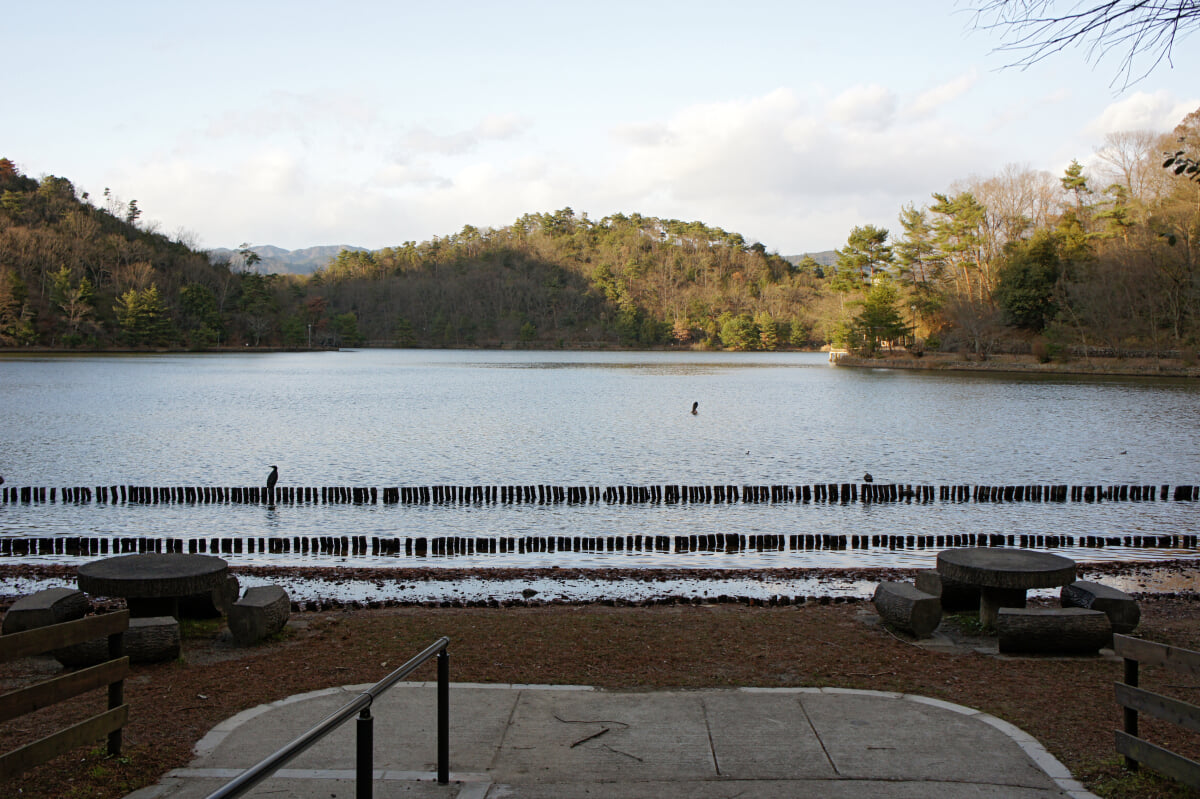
(361, 704)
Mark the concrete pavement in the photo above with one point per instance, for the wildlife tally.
(556, 742)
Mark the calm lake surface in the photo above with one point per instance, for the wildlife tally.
(420, 418)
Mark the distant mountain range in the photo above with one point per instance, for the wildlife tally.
(276, 260)
(824, 258)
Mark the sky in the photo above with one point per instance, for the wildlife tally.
(298, 124)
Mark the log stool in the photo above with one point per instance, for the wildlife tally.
(46, 607)
(1052, 631)
(1122, 609)
(905, 608)
(149, 639)
(261, 612)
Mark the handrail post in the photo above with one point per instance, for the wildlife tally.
(364, 778)
(364, 754)
(443, 713)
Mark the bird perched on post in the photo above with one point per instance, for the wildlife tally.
(867, 478)
(272, 479)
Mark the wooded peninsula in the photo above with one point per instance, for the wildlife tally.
(1105, 259)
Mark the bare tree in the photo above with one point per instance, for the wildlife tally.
(1130, 158)
(1145, 30)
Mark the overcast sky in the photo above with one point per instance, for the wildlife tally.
(373, 123)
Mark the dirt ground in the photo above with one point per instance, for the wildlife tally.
(1066, 703)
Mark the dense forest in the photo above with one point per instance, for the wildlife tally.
(1019, 261)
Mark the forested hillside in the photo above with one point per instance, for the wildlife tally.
(76, 275)
(1018, 260)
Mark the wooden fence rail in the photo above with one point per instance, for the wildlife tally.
(111, 673)
(1135, 700)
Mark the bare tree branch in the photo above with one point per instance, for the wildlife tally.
(1144, 30)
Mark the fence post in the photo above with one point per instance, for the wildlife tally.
(443, 713)
(365, 755)
(1131, 714)
(116, 691)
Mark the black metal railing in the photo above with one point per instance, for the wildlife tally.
(364, 757)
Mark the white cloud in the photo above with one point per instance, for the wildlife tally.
(423, 140)
(933, 99)
(501, 127)
(870, 108)
(794, 171)
(395, 176)
(647, 134)
(1159, 111)
(299, 115)
(274, 172)
(775, 145)
(776, 167)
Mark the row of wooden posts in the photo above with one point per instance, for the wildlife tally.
(547, 494)
(457, 545)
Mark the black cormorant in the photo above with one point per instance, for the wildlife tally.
(695, 408)
(867, 478)
(272, 478)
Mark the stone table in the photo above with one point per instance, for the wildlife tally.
(152, 584)
(1004, 575)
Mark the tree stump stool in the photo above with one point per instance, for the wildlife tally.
(1122, 609)
(46, 607)
(905, 608)
(149, 639)
(1052, 631)
(261, 612)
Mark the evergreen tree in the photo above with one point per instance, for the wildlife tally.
(879, 320)
(866, 252)
(143, 317)
(1029, 279)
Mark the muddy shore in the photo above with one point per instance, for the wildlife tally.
(330, 587)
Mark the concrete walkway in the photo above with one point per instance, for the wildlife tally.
(556, 742)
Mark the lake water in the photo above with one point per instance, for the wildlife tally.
(419, 418)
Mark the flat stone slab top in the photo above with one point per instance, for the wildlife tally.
(1015, 569)
(153, 576)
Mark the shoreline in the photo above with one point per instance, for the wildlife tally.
(1099, 366)
(1027, 364)
(324, 588)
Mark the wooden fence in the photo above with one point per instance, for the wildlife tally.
(1135, 700)
(23, 701)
